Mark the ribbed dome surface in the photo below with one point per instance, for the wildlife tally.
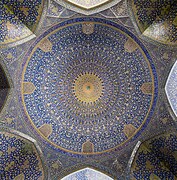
(93, 90)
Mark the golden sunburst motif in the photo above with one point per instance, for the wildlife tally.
(88, 88)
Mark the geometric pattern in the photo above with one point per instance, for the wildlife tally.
(19, 157)
(156, 158)
(85, 88)
(88, 88)
(155, 20)
(58, 11)
(19, 20)
(67, 120)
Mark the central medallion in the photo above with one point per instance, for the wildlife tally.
(88, 88)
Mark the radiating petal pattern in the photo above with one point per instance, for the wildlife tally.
(93, 89)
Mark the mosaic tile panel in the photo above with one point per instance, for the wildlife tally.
(10, 55)
(19, 20)
(11, 28)
(171, 87)
(115, 57)
(87, 174)
(19, 157)
(10, 117)
(155, 19)
(58, 11)
(28, 12)
(156, 158)
(117, 11)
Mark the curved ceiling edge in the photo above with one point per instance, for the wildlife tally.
(158, 22)
(20, 155)
(84, 9)
(6, 86)
(170, 88)
(146, 88)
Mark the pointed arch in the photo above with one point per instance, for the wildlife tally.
(87, 173)
(170, 88)
(6, 86)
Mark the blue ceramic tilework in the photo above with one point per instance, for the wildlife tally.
(87, 174)
(102, 53)
(18, 20)
(171, 87)
(156, 19)
(27, 11)
(56, 10)
(11, 116)
(16, 29)
(67, 13)
(156, 159)
(11, 58)
(19, 158)
(12, 54)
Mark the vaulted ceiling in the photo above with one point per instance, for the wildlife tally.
(88, 86)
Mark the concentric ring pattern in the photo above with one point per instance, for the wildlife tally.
(88, 86)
